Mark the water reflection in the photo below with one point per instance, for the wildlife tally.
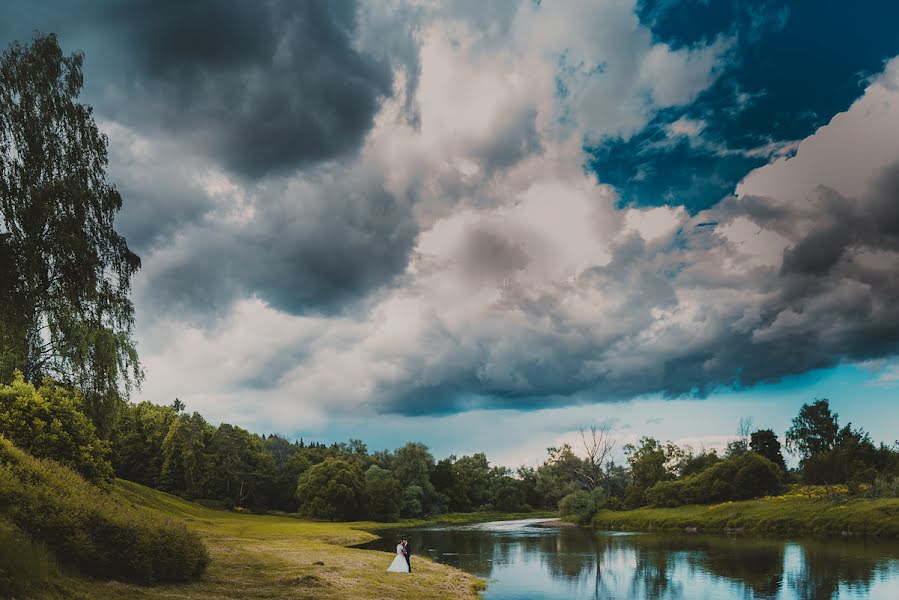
(522, 561)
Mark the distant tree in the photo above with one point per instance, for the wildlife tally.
(651, 462)
(66, 272)
(527, 482)
(412, 464)
(691, 463)
(558, 475)
(242, 466)
(472, 476)
(597, 443)
(382, 494)
(814, 430)
(331, 490)
(48, 423)
(507, 495)
(186, 465)
(765, 442)
(137, 442)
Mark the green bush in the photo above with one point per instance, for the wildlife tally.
(580, 506)
(49, 423)
(748, 475)
(89, 529)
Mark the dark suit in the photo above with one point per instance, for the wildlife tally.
(407, 553)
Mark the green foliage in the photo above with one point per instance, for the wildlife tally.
(814, 430)
(67, 271)
(411, 506)
(91, 530)
(853, 458)
(556, 477)
(137, 442)
(48, 423)
(382, 495)
(582, 505)
(765, 443)
(748, 475)
(692, 464)
(651, 462)
(331, 490)
(186, 466)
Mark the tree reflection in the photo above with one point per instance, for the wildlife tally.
(583, 563)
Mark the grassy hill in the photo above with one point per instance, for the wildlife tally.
(803, 510)
(261, 556)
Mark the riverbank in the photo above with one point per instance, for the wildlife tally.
(266, 556)
(802, 511)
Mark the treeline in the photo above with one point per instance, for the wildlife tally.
(179, 452)
(167, 448)
(752, 465)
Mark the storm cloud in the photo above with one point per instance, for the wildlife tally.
(260, 87)
(384, 208)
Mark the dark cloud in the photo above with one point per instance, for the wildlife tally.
(314, 246)
(262, 87)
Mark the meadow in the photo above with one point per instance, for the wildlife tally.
(268, 556)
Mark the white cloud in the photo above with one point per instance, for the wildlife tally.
(523, 283)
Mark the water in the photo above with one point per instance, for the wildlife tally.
(522, 561)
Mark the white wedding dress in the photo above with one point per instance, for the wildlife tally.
(399, 564)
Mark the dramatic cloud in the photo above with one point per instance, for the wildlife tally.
(555, 295)
(261, 87)
(347, 210)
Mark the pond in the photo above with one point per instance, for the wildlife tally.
(522, 561)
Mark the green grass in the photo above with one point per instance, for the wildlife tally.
(801, 511)
(268, 556)
(26, 567)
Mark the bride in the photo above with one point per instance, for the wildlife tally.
(399, 564)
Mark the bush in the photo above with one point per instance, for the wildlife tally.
(581, 505)
(745, 476)
(88, 528)
(48, 423)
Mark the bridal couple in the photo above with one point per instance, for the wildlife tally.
(401, 563)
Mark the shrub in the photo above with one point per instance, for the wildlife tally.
(580, 506)
(745, 476)
(48, 423)
(88, 528)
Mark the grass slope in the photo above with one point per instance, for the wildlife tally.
(261, 556)
(801, 511)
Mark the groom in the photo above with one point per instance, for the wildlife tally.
(407, 552)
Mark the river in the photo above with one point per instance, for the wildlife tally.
(522, 561)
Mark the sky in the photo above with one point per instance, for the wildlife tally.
(483, 225)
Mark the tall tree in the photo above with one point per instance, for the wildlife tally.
(814, 430)
(66, 272)
(765, 442)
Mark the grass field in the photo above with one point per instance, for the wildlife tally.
(803, 510)
(261, 556)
